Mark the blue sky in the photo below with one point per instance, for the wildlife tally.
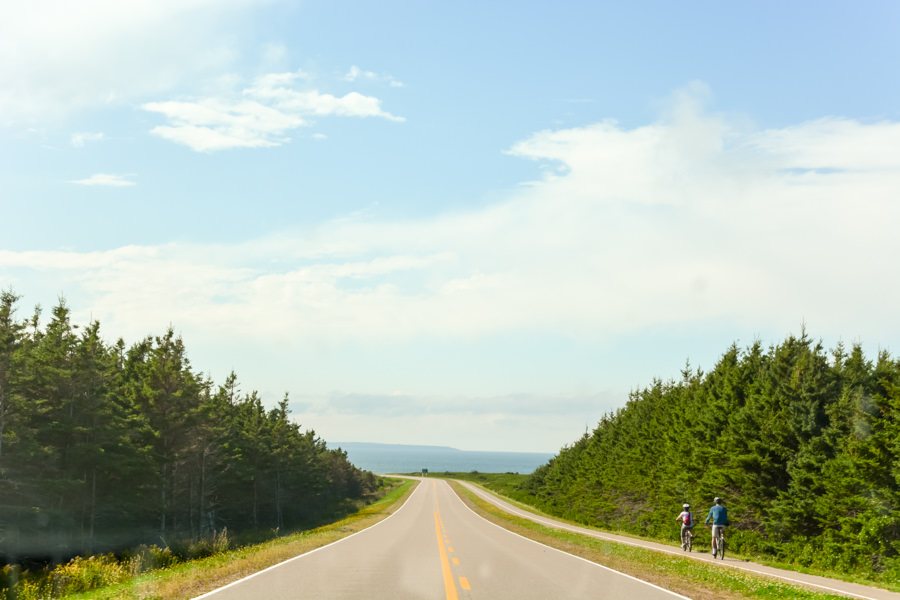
(468, 224)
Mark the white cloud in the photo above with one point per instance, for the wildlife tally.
(273, 81)
(105, 179)
(261, 116)
(276, 89)
(355, 74)
(211, 125)
(79, 139)
(683, 221)
(57, 57)
(812, 145)
(353, 104)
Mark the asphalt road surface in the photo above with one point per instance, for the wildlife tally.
(436, 548)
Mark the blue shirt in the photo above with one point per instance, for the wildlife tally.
(718, 514)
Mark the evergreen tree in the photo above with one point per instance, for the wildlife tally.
(804, 447)
(106, 447)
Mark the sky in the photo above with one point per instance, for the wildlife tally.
(472, 224)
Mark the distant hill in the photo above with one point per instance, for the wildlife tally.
(398, 447)
(407, 458)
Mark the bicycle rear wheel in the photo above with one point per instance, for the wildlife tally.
(722, 546)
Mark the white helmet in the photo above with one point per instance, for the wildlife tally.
(686, 506)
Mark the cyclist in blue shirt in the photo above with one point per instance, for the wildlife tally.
(719, 516)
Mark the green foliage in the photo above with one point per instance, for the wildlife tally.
(803, 445)
(84, 574)
(106, 447)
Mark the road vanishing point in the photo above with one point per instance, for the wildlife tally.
(436, 548)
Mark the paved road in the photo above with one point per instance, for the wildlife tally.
(436, 548)
(822, 584)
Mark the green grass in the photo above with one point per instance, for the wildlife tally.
(190, 579)
(683, 575)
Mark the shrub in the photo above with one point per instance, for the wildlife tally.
(85, 574)
(148, 558)
(32, 588)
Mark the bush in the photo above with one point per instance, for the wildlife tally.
(85, 574)
(31, 588)
(148, 558)
(186, 551)
(78, 575)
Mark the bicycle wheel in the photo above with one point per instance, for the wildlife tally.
(690, 541)
(721, 545)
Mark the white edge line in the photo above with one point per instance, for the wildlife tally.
(590, 562)
(583, 531)
(284, 562)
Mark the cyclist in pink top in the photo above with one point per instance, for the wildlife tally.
(687, 521)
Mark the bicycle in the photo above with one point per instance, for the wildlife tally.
(719, 547)
(687, 543)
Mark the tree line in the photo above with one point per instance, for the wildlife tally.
(103, 446)
(803, 444)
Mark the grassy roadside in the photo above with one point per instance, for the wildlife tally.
(683, 575)
(191, 579)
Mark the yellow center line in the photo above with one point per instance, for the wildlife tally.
(455, 560)
(449, 585)
(464, 583)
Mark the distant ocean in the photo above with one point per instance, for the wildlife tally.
(399, 458)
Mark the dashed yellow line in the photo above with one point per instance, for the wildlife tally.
(442, 539)
(449, 585)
